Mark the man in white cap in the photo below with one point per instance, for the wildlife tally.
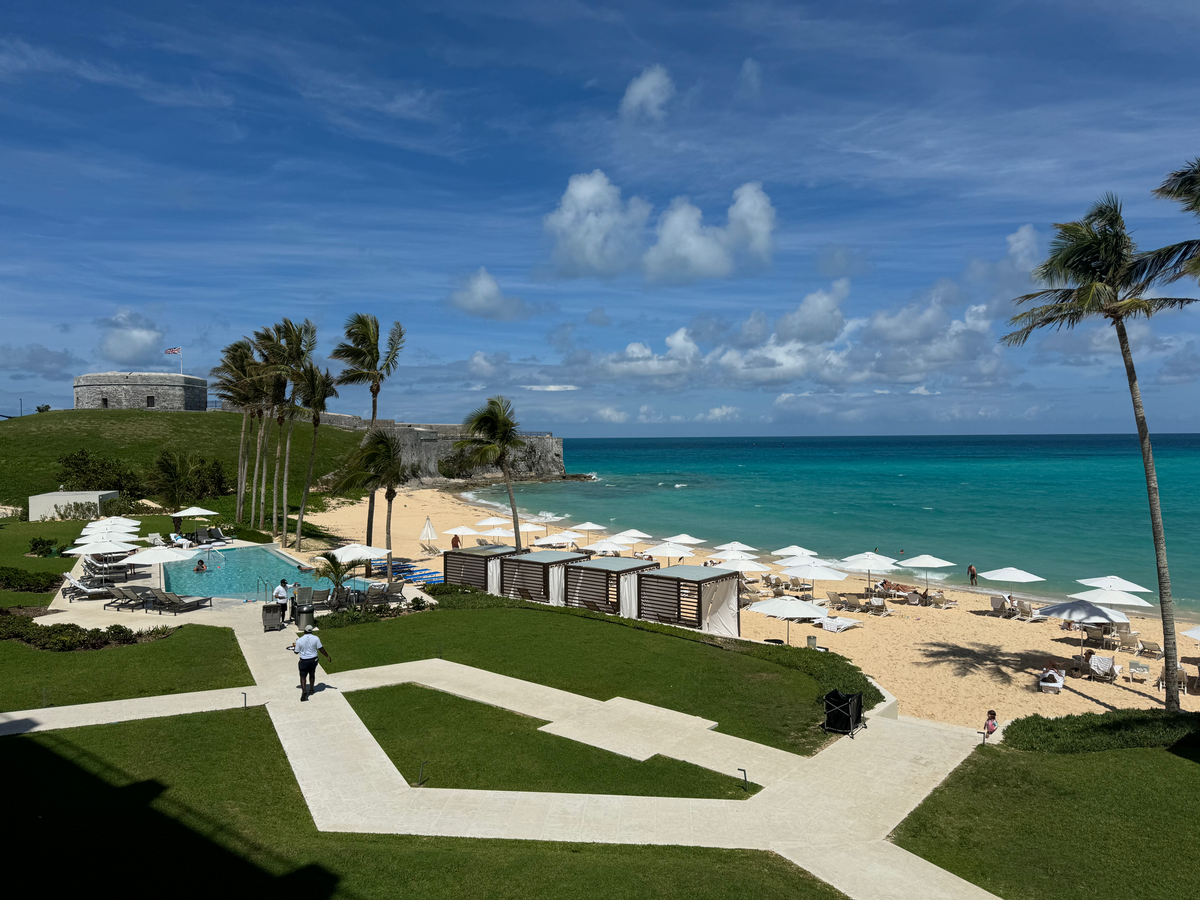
(308, 646)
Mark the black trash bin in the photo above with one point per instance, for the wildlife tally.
(843, 713)
(305, 616)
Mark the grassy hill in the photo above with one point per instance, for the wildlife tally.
(31, 445)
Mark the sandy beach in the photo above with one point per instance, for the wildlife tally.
(946, 665)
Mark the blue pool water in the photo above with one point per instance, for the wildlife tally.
(239, 573)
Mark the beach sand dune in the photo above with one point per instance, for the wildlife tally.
(946, 665)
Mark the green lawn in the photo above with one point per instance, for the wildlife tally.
(31, 445)
(211, 805)
(479, 747)
(194, 658)
(748, 697)
(1066, 826)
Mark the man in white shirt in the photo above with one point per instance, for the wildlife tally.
(308, 646)
(280, 595)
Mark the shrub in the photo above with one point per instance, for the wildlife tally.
(43, 407)
(14, 579)
(63, 637)
(87, 471)
(41, 546)
(74, 511)
(1121, 729)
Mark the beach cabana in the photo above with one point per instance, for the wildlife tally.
(539, 576)
(691, 596)
(607, 585)
(477, 567)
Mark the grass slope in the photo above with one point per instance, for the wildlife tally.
(215, 795)
(194, 658)
(479, 747)
(1071, 826)
(749, 698)
(14, 544)
(31, 445)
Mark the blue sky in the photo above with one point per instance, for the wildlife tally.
(633, 219)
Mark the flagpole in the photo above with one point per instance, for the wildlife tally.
(181, 360)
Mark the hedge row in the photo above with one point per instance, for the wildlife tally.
(14, 579)
(1121, 729)
(829, 670)
(65, 636)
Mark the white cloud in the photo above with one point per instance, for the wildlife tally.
(922, 391)
(131, 339)
(36, 361)
(483, 365)
(610, 414)
(818, 318)
(550, 387)
(480, 296)
(1023, 247)
(595, 233)
(647, 95)
(720, 414)
(686, 249)
(639, 361)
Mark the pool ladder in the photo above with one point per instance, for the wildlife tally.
(266, 587)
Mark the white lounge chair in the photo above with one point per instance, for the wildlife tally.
(877, 606)
(1052, 682)
(1138, 671)
(1001, 608)
(1152, 647)
(1180, 675)
(1103, 668)
(836, 623)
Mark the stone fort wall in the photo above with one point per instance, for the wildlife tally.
(141, 390)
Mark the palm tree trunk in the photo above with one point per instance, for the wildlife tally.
(312, 456)
(371, 497)
(275, 485)
(262, 487)
(512, 501)
(389, 495)
(1166, 604)
(241, 471)
(287, 470)
(257, 459)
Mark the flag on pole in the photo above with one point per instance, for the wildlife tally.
(170, 350)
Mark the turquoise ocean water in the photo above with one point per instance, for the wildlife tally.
(1063, 507)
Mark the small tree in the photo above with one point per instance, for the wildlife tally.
(333, 570)
(494, 436)
(378, 465)
(172, 477)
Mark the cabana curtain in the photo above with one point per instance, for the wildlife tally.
(628, 595)
(558, 577)
(718, 600)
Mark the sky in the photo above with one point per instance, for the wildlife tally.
(631, 219)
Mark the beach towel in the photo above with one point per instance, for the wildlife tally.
(837, 623)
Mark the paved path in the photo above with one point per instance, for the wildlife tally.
(829, 813)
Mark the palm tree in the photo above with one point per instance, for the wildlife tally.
(1092, 273)
(315, 389)
(378, 464)
(172, 477)
(494, 435)
(333, 570)
(366, 365)
(1180, 260)
(234, 386)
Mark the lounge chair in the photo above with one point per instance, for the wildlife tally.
(125, 599)
(1180, 675)
(1048, 684)
(87, 592)
(854, 603)
(1103, 668)
(156, 540)
(939, 601)
(376, 594)
(202, 536)
(1026, 612)
(1094, 633)
(395, 592)
(319, 598)
(1152, 647)
(1138, 671)
(165, 601)
(912, 598)
(1001, 608)
(178, 540)
(1127, 640)
(877, 606)
(835, 600)
(837, 623)
(219, 535)
(304, 596)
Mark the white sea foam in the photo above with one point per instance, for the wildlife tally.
(680, 485)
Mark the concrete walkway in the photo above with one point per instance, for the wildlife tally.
(829, 813)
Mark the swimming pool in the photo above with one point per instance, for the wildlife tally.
(240, 573)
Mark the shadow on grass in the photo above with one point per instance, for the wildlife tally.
(70, 826)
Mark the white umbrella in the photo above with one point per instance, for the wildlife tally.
(781, 608)
(1109, 598)
(428, 533)
(461, 530)
(736, 545)
(624, 540)
(553, 540)
(634, 533)
(154, 556)
(103, 548)
(494, 520)
(1113, 583)
(497, 532)
(359, 553)
(529, 526)
(867, 562)
(684, 539)
(669, 550)
(1083, 612)
(111, 526)
(1012, 576)
(191, 512)
(925, 562)
(815, 572)
(117, 520)
(107, 536)
(793, 550)
(743, 565)
(796, 561)
(589, 526)
(733, 554)
(606, 546)
(1193, 633)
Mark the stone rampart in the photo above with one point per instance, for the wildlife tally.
(141, 390)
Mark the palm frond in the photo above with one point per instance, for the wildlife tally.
(1183, 186)
(1169, 263)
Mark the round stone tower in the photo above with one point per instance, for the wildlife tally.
(141, 390)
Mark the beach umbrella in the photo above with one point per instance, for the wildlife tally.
(1193, 633)
(624, 539)
(191, 512)
(1012, 576)
(494, 520)
(793, 550)
(589, 527)
(606, 546)
(359, 553)
(428, 533)
(154, 556)
(1109, 598)
(497, 532)
(925, 562)
(529, 526)
(101, 548)
(461, 530)
(553, 540)
(634, 533)
(867, 562)
(110, 525)
(107, 536)
(787, 609)
(813, 572)
(684, 539)
(736, 545)
(733, 554)
(114, 520)
(1114, 583)
(1084, 613)
(670, 550)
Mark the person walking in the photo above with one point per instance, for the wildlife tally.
(973, 574)
(307, 646)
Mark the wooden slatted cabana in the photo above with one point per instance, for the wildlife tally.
(477, 567)
(538, 576)
(692, 596)
(606, 584)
